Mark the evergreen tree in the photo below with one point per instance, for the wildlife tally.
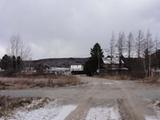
(95, 62)
(19, 64)
(11, 64)
(14, 63)
(6, 63)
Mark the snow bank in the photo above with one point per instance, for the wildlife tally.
(103, 113)
(46, 113)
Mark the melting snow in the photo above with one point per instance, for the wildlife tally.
(107, 83)
(46, 113)
(151, 118)
(104, 113)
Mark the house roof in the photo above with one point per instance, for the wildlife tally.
(107, 60)
(57, 62)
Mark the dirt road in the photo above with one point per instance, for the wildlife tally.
(130, 97)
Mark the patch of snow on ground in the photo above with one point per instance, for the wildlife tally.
(157, 111)
(103, 113)
(45, 113)
(151, 118)
(107, 83)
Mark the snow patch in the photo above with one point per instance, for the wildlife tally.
(107, 83)
(151, 117)
(46, 113)
(104, 113)
(157, 112)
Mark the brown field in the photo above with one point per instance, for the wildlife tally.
(37, 82)
(116, 77)
(152, 79)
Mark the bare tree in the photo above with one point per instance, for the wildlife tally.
(112, 47)
(148, 48)
(148, 43)
(130, 44)
(157, 44)
(156, 49)
(120, 47)
(18, 48)
(139, 43)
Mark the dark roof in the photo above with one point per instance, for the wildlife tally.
(134, 64)
(57, 62)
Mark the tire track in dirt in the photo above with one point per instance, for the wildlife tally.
(131, 107)
(81, 111)
(96, 92)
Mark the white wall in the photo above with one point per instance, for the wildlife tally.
(76, 68)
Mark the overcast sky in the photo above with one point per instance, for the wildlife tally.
(69, 28)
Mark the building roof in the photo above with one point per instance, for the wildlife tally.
(57, 62)
(107, 60)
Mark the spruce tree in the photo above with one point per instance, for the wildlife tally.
(95, 62)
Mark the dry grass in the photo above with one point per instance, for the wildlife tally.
(63, 81)
(116, 77)
(9, 104)
(151, 80)
(33, 82)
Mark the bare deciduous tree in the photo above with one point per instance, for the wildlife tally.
(148, 48)
(157, 44)
(18, 48)
(112, 47)
(130, 42)
(156, 49)
(148, 43)
(139, 43)
(120, 47)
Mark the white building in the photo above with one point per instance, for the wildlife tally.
(76, 68)
(58, 70)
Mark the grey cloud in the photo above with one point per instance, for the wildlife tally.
(68, 28)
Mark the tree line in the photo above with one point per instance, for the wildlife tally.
(17, 51)
(138, 45)
(11, 64)
(132, 45)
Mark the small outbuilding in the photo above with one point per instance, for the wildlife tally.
(77, 69)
